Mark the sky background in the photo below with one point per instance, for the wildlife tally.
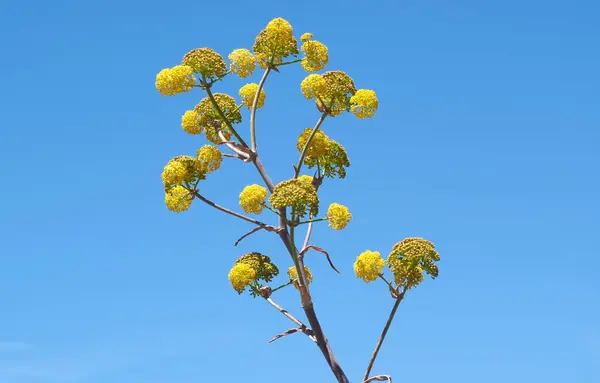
(486, 142)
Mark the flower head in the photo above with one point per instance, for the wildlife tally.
(293, 274)
(307, 179)
(242, 62)
(190, 122)
(253, 199)
(313, 86)
(248, 92)
(275, 42)
(305, 37)
(212, 134)
(340, 88)
(241, 276)
(205, 61)
(180, 169)
(411, 257)
(319, 145)
(210, 119)
(178, 199)
(262, 265)
(316, 56)
(299, 195)
(178, 79)
(368, 266)
(209, 158)
(338, 216)
(364, 103)
(333, 163)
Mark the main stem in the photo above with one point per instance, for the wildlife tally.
(382, 337)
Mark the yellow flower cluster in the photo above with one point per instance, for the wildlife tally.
(242, 62)
(331, 90)
(364, 103)
(241, 276)
(319, 145)
(253, 199)
(190, 122)
(275, 42)
(316, 55)
(293, 274)
(299, 195)
(178, 79)
(178, 199)
(206, 117)
(308, 179)
(265, 269)
(410, 258)
(248, 92)
(305, 37)
(209, 158)
(313, 86)
(368, 266)
(181, 169)
(205, 61)
(338, 216)
(333, 162)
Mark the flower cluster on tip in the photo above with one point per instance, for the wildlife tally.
(205, 62)
(316, 55)
(293, 274)
(274, 43)
(171, 81)
(368, 266)
(253, 199)
(248, 92)
(249, 270)
(327, 154)
(299, 195)
(243, 62)
(338, 216)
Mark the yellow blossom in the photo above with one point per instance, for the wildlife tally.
(253, 199)
(339, 89)
(178, 79)
(308, 179)
(205, 61)
(364, 103)
(178, 199)
(313, 86)
(368, 266)
(411, 257)
(248, 92)
(242, 62)
(305, 37)
(209, 158)
(333, 163)
(190, 122)
(338, 216)
(319, 145)
(293, 274)
(275, 42)
(180, 169)
(262, 265)
(241, 276)
(211, 121)
(299, 195)
(316, 56)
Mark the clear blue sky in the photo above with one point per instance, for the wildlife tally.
(487, 142)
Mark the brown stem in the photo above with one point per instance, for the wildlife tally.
(255, 106)
(305, 149)
(383, 334)
(225, 210)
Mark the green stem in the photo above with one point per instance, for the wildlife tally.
(284, 285)
(255, 106)
(289, 62)
(222, 115)
(311, 221)
(305, 149)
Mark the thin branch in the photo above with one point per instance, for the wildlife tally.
(308, 141)
(266, 227)
(284, 285)
(321, 251)
(225, 210)
(308, 332)
(311, 221)
(383, 334)
(255, 106)
(301, 325)
(289, 62)
(379, 378)
(235, 147)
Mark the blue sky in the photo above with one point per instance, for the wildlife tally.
(486, 142)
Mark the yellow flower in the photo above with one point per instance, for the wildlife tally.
(178, 79)
(190, 122)
(241, 276)
(205, 61)
(338, 216)
(368, 266)
(308, 179)
(253, 199)
(411, 257)
(340, 88)
(293, 274)
(247, 93)
(333, 163)
(305, 37)
(262, 265)
(316, 56)
(301, 196)
(178, 199)
(212, 134)
(364, 103)
(180, 169)
(209, 158)
(313, 86)
(211, 121)
(319, 145)
(242, 62)
(275, 42)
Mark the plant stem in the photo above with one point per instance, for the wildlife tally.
(289, 62)
(225, 210)
(224, 117)
(305, 149)
(254, 107)
(383, 334)
(312, 221)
